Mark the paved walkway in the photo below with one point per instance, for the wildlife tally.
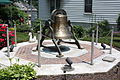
(52, 66)
(25, 52)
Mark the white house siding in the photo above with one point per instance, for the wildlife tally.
(103, 9)
(44, 9)
(107, 9)
(75, 10)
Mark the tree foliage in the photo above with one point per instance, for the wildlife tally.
(36, 25)
(9, 14)
(103, 27)
(79, 31)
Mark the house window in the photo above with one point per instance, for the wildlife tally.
(88, 6)
(54, 4)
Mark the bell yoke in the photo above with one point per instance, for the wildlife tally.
(58, 28)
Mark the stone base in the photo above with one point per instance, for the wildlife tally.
(113, 74)
(109, 59)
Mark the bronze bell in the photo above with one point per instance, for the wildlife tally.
(61, 28)
(58, 27)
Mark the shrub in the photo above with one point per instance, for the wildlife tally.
(18, 72)
(79, 31)
(5, 15)
(103, 27)
(36, 25)
(23, 28)
(89, 32)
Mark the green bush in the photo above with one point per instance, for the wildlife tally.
(36, 25)
(79, 31)
(103, 27)
(89, 31)
(18, 72)
(23, 28)
(11, 14)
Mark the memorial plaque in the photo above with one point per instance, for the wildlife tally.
(109, 59)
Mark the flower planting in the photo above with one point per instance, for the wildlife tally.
(3, 36)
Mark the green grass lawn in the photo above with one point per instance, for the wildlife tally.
(23, 36)
(106, 40)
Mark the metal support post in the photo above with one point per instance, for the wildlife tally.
(39, 39)
(97, 34)
(111, 40)
(15, 35)
(31, 13)
(39, 49)
(8, 49)
(92, 47)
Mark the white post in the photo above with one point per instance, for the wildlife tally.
(8, 49)
(111, 40)
(40, 30)
(39, 49)
(39, 38)
(97, 34)
(92, 46)
(15, 35)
